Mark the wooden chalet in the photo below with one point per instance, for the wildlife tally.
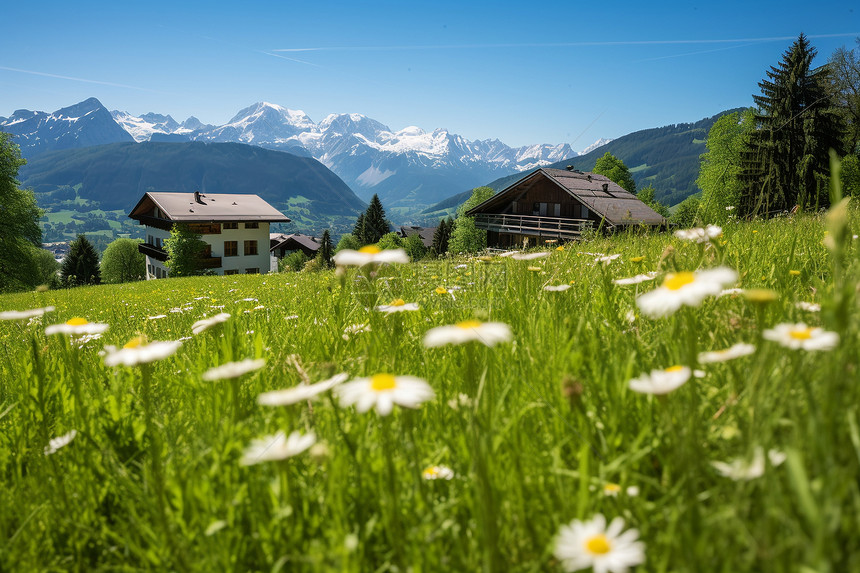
(282, 245)
(557, 204)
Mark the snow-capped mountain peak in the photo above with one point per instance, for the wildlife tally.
(599, 143)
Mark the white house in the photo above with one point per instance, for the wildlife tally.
(236, 228)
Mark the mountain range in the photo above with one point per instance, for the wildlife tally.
(407, 168)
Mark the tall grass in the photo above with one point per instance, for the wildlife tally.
(534, 430)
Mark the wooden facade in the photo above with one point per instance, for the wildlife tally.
(557, 205)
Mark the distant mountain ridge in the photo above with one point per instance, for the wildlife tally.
(406, 168)
(665, 157)
(114, 176)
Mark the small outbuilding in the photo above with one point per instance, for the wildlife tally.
(425, 233)
(282, 245)
(558, 204)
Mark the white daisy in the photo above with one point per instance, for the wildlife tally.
(76, 327)
(137, 351)
(24, 314)
(611, 489)
(801, 337)
(369, 255)
(156, 317)
(742, 469)
(636, 280)
(438, 472)
(277, 447)
(383, 391)
(207, 323)
(488, 333)
(808, 306)
(661, 381)
(684, 289)
(233, 369)
(556, 288)
(735, 351)
(397, 305)
(299, 393)
(60, 442)
(606, 259)
(699, 234)
(583, 544)
(529, 256)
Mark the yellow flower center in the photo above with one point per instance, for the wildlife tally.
(431, 471)
(794, 273)
(611, 488)
(134, 342)
(675, 368)
(397, 302)
(559, 248)
(382, 382)
(804, 334)
(440, 290)
(598, 545)
(466, 324)
(77, 321)
(675, 281)
(637, 259)
(369, 249)
(534, 269)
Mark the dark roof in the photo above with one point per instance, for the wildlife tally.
(297, 241)
(426, 234)
(597, 192)
(208, 207)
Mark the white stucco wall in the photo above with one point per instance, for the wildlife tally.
(240, 263)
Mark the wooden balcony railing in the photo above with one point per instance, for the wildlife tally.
(555, 227)
(207, 261)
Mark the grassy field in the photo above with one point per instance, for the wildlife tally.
(534, 432)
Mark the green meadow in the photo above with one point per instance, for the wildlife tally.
(527, 435)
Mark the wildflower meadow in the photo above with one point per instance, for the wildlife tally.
(645, 401)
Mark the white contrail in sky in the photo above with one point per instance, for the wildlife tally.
(74, 79)
(562, 44)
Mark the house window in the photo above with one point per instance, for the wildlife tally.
(158, 242)
(557, 209)
(250, 248)
(231, 248)
(231, 226)
(584, 212)
(252, 225)
(231, 272)
(254, 271)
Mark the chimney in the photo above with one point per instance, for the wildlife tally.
(197, 198)
(569, 167)
(606, 187)
(589, 177)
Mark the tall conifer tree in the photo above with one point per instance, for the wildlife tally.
(786, 162)
(81, 265)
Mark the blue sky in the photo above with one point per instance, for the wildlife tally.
(521, 72)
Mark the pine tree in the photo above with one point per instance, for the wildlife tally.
(375, 224)
(786, 162)
(326, 250)
(81, 265)
(358, 230)
(441, 236)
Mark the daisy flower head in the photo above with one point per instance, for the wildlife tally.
(397, 305)
(233, 369)
(742, 469)
(60, 442)
(276, 447)
(636, 280)
(24, 314)
(383, 391)
(488, 333)
(556, 288)
(529, 256)
(801, 337)
(735, 351)
(606, 259)
(369, 255)
(611, 489)
(700, 235)
(138, 351)
(684, 289)
(808, 306)
(438, 472)
(300, 393)
(76, 327)
(208, 323)
(661, 381)
(583, 544)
